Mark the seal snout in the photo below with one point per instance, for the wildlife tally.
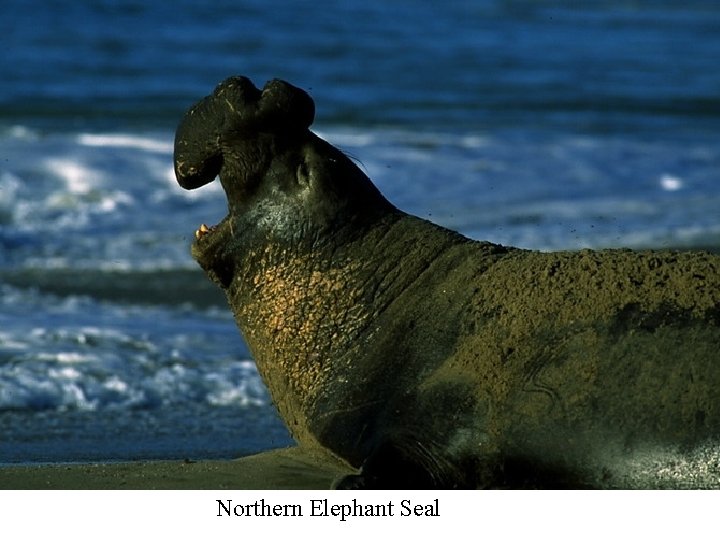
(286, 107)
(278, 107)
(236, 109)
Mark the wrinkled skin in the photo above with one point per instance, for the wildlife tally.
(425, 359)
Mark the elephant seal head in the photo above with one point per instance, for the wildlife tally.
(282, 182)
(234, 109)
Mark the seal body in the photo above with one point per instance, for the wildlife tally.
(426, 359)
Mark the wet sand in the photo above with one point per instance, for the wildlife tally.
(287, 468)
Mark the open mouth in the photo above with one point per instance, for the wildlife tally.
(209, 250)
(203, 230)
(209, 239)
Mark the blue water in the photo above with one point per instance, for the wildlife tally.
(527, 123)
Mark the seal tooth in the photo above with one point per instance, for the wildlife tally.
(202, 231)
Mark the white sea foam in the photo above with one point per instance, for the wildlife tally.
(344, 138)
(670, 182)
(9, 343)
(10, 186)
(121, 140)
(66, 373)
(22, 133)
(105, 383)
(78, 178)
(77, 353)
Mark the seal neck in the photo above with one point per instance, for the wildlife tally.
(304, 308)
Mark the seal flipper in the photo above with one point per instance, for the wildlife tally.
(406, 464)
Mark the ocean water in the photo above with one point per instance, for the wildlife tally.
(528, 123)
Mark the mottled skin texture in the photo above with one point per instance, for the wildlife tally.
(426, 359)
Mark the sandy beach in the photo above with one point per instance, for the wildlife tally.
(286, 468)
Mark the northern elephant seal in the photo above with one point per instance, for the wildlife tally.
(426, 359)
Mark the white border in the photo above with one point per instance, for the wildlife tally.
(483, 514)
